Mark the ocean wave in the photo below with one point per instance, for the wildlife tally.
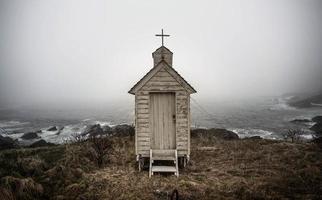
(104, 123)
(11, 123)
(307, 136)
(245, 133)
(281, 104)
(62, 135)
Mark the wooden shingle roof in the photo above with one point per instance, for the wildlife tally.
(154, 70)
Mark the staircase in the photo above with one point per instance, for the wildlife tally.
(163, 155)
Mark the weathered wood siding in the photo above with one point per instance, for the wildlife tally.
(162, 81)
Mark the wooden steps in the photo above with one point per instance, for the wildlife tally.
(164, 169)
(164, 155)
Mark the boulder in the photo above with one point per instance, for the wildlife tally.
(53, 128)
(41, 143)
(214, 132)
(318, 141)
(7, 143)
(60, 130)
(306, 102)
(317, 128)
(123, 130)
(29, 136)
(256, 137)
(107, 129)
(299, 121)
(317, 119)
(93, 130)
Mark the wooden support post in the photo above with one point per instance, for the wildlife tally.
(176, 162)
(151, 160)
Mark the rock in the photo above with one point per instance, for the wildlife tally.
(317, 119)
(7, 143)
(41, 143)
(53, 128)
(59, 130)
(107, 129)
(317, 128)
(300, 121)
(123, 130)
(29, 136)
(93, 130)
(318, 141)
(307, 101)
(214, 132)
(256, 137)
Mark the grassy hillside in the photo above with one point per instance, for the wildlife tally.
(219, 169)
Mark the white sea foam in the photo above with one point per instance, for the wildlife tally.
(16, 136)
(281, 104)
(307, 136)
(104, 123)
(60, 136)
(11, 123)
(244, 133)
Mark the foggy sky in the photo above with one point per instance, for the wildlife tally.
(73, 52)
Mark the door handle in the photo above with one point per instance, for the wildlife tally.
(174, 117)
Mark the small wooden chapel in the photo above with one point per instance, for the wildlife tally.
(162, 115)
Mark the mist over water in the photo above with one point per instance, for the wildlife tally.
(75, 53)
(71, 63)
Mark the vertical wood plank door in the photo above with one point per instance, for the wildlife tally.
(162, 120)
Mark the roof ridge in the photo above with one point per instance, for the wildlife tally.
(170, 67)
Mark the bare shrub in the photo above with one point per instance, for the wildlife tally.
(293, 135)
(78, 138)
(100, 146)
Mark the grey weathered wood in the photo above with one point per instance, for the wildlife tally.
(164, 169)
(161, 154)
(162, 110)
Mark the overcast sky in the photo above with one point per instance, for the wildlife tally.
(77, 51)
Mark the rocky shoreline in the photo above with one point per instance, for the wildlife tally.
(35, 139)
(222, 166)
(316, 127)
(307, 102)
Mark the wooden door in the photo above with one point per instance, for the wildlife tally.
(162, 120)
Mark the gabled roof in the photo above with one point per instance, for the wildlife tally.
(154, 70)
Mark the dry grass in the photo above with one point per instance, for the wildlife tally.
(239, 169)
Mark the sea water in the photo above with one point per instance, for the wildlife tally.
(268, 117)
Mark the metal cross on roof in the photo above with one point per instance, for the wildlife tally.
(162, 35)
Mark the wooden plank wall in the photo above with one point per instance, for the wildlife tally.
(162, 81)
